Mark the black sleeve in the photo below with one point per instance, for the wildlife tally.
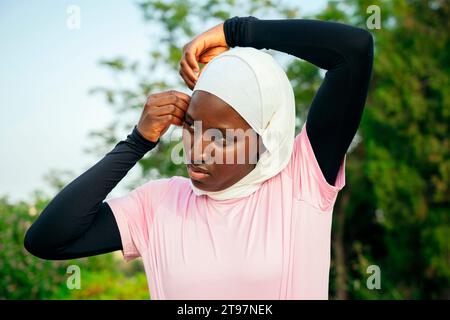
(346, 52)
(77, 222)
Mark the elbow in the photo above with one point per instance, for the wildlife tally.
(34, 246)
(359, 50)
(30, 245)
(363, 44)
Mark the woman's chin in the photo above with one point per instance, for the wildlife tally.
(203, 185)
(200, 184)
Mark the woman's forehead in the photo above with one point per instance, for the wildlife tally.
(214, 112)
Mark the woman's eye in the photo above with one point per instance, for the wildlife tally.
(190, 126)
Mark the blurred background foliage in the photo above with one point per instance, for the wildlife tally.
(394, 210)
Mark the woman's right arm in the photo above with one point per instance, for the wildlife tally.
(77, 222)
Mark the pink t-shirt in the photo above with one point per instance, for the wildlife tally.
(272, 244)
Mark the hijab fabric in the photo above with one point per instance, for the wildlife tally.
(256, 86)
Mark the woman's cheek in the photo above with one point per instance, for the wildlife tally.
(236, 153)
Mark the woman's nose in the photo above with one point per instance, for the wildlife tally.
(198, 146)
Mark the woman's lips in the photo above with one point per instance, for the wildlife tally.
(196, 173)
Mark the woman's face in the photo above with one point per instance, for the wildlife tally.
(221, 146)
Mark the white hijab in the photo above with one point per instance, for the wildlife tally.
(255, 85)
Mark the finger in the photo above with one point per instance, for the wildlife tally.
(187, 70)
(177, 99)
(171, 119)
(166, 110)
(209, 54)
(168, 120)
(182, 95)
(204, 59)
(169, 109)
(188, 82)
(185, 97)
(192, 62)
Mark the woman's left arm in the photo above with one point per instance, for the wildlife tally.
(346, 53)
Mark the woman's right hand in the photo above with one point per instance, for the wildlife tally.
(160, 111)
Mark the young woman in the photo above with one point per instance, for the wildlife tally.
(257, 229)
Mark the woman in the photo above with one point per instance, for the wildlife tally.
(257, 229)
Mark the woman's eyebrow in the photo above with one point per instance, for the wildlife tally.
(189, 118)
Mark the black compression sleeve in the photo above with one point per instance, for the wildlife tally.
(346, 52)
(77, 222)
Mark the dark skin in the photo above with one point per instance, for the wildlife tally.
(174, 107)
(217, 114)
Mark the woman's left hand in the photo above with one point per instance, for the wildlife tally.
(201, 49)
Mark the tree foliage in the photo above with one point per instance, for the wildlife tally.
(394, 210)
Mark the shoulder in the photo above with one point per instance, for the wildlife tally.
(165, 184)
(161, 188)
(308, 180)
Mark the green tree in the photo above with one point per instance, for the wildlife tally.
(407, 146)
(394, 210)
(23, 276)
(397, 198)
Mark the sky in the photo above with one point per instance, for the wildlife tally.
(46, 70)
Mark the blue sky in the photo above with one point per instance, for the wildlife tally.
(46, 71)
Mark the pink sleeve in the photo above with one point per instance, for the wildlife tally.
(134, 214)
(309, 182)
